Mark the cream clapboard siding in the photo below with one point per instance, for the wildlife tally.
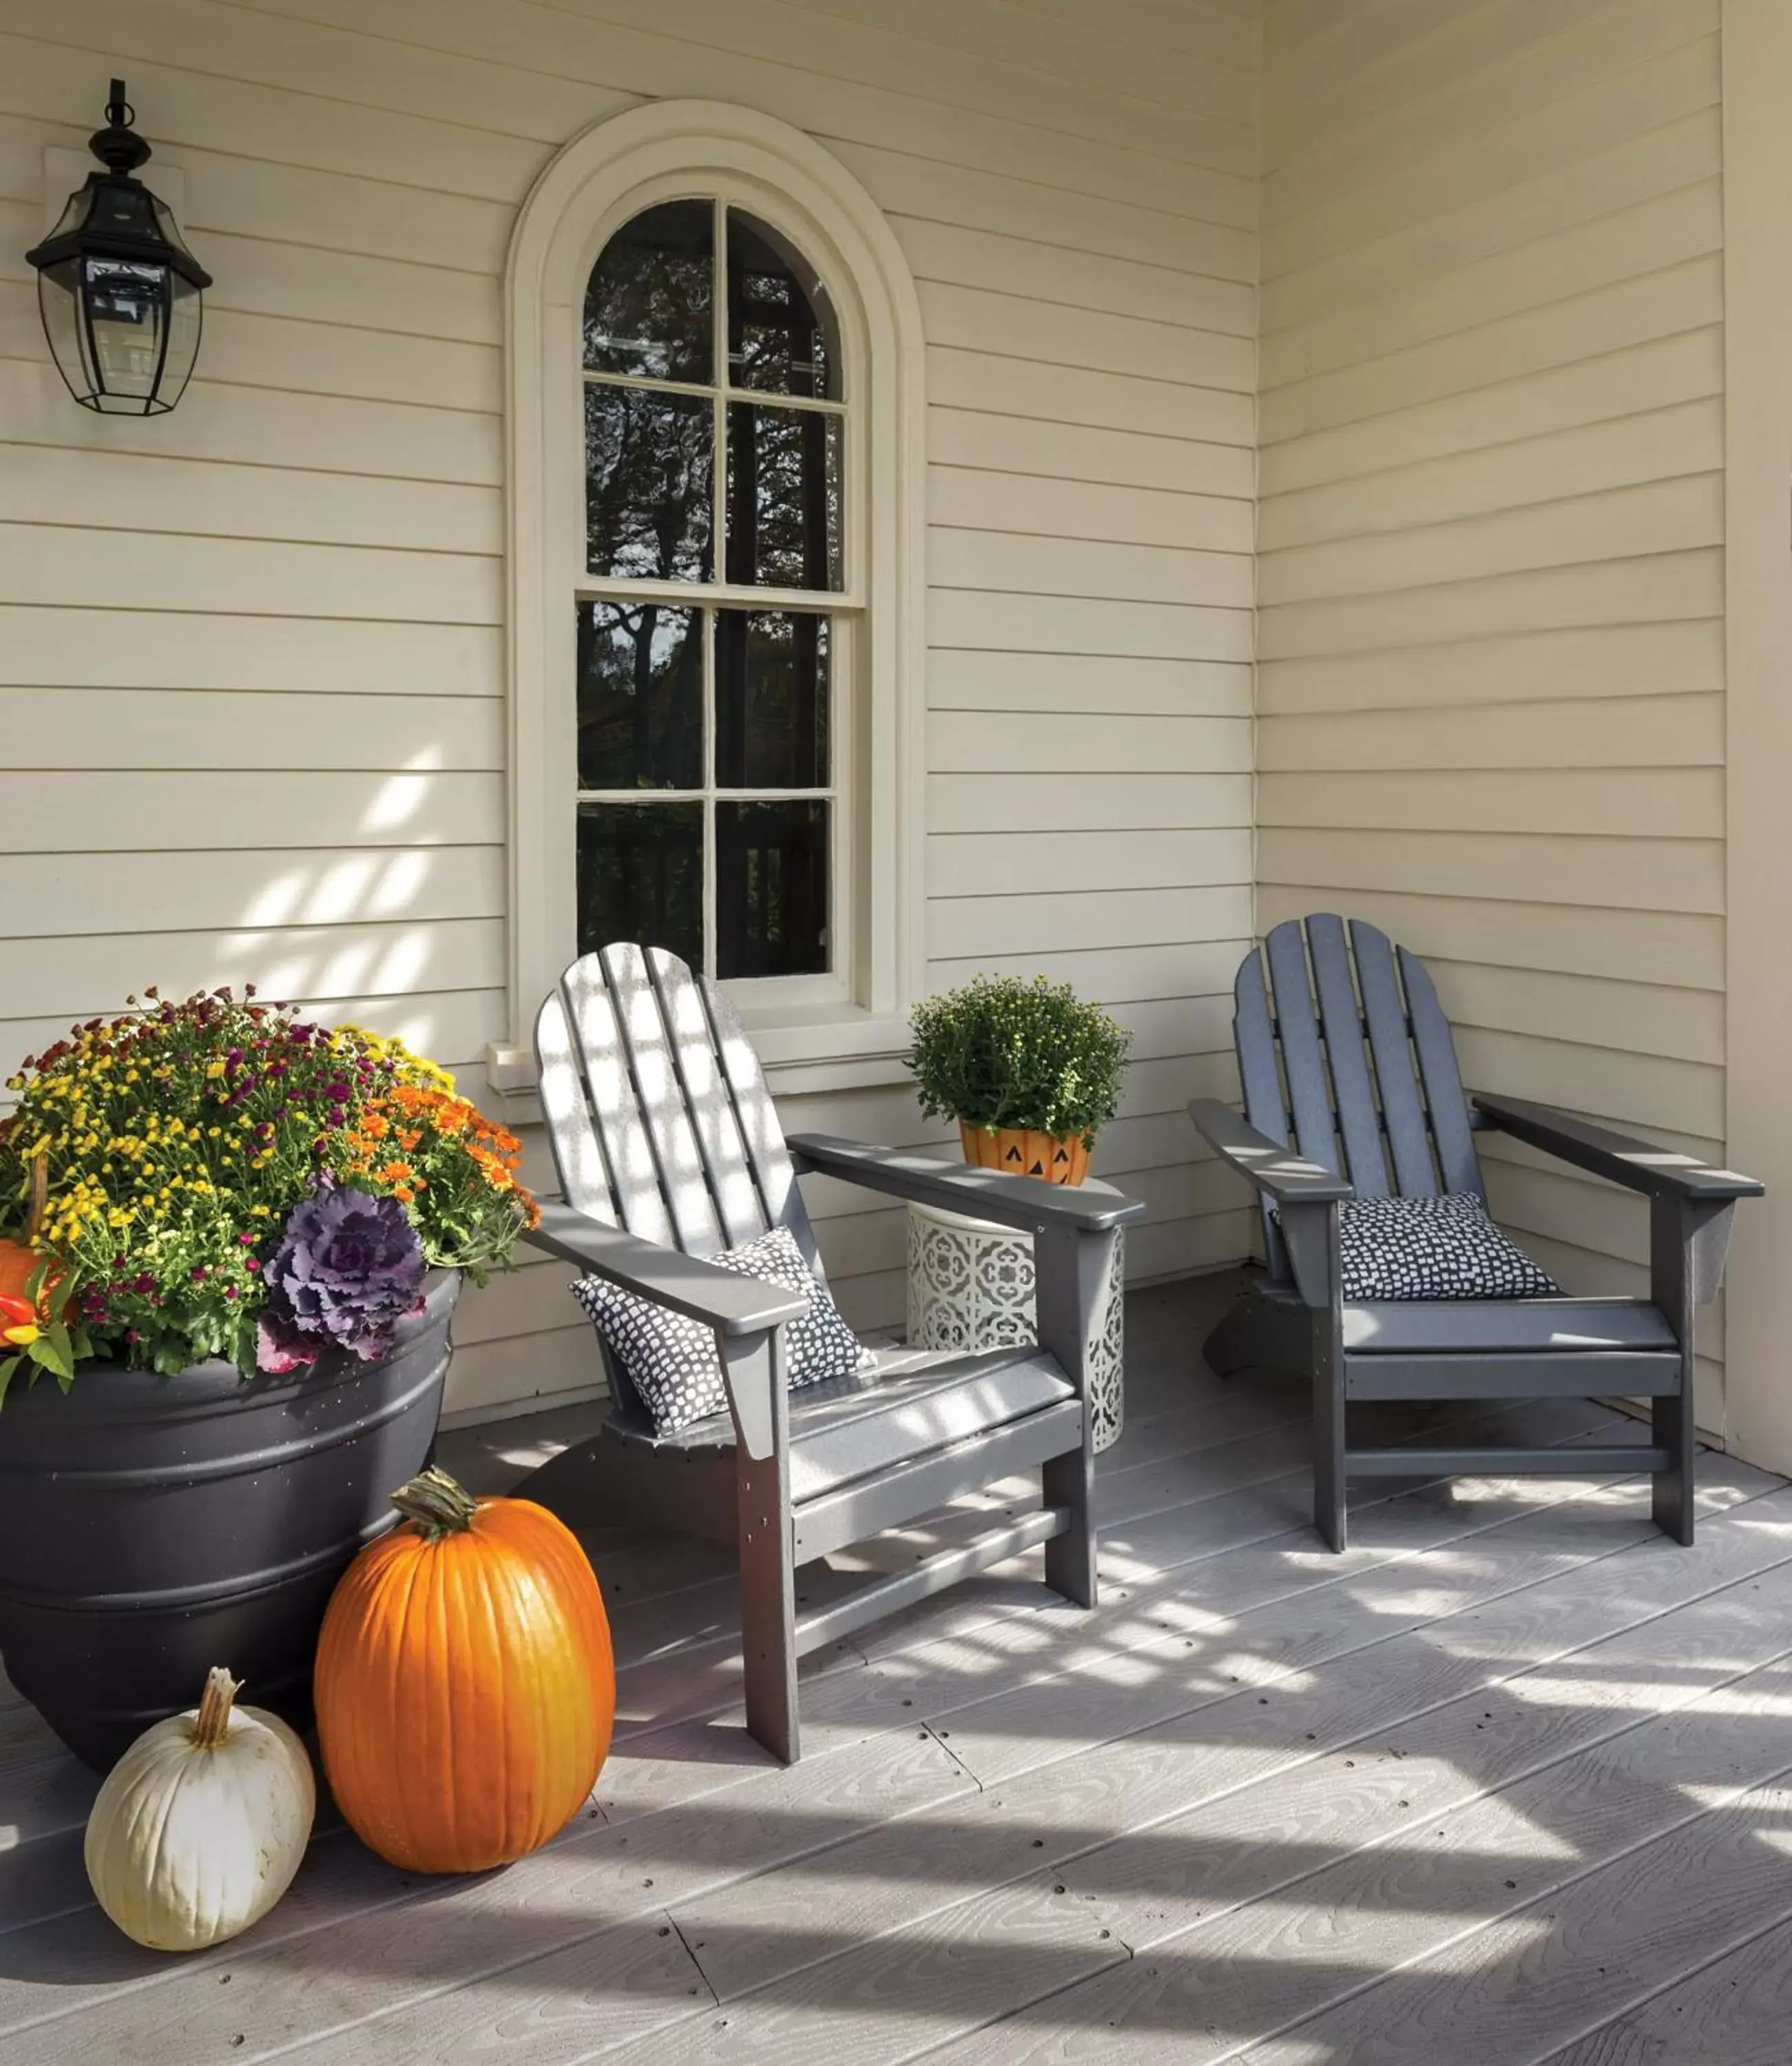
(250, 656)
(1490, 693)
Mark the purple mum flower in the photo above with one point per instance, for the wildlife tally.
(348, 1269)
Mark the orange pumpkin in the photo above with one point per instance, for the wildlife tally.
(465, 1687)
(20, 1261)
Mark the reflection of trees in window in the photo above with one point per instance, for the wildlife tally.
(783, 497)
(783, 335)
(706, 750)
(772, 877)
(640, 697)
(649, 305)
(649, 491)
(771, 700)
(641, 877)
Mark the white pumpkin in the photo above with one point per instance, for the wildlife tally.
(202, 1823)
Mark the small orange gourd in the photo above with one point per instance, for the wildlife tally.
(20, 1260)
(465, 1686)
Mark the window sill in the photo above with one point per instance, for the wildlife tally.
(826, 1048)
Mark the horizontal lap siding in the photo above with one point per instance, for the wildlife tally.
(1491, 677)
(251, 656)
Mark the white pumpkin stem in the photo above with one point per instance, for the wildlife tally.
(438, 1504)
(213, 1724)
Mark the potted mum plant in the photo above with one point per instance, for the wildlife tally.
(1030, 1071)
(231, 1241)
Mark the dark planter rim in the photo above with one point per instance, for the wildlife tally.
(105, 1389)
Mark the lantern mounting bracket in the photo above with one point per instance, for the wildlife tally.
(118, 147)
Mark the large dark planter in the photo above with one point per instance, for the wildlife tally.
(152, 1527)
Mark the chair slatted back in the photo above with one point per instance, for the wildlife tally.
(1345, 1055)
(658, 1114)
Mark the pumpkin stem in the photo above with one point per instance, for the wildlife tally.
(40, 1196)
(212, 1724)
(438, 1505)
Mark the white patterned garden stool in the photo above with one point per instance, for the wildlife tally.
(971, 1286)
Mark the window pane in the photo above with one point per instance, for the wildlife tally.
(783, 335)
(640, 697)
(771, 700)
(649, 461)
(783, 492)
(648, 306)
(641, 877)
(771, 888)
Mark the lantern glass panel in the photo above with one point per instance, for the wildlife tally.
(59, 304)
(126, 313)
(186, 312)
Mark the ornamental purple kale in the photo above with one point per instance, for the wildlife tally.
(348, 1269)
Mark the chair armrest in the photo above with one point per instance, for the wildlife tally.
(1639, 1165)
(959, 1187)
(1281, 1173)
(732, 1305)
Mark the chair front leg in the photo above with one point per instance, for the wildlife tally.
(1311, 1233)
(1073, 1279)
(1687, 1238)
(756, 1369)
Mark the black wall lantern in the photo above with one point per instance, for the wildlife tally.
(120, 295)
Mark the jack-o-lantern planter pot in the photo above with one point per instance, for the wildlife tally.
(1019, 1151)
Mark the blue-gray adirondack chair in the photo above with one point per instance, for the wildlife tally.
(668, 1149)
(1351, 1089)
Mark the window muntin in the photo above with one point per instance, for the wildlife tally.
(711, 724)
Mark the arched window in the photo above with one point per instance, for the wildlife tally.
(716, 636)
(715, 605)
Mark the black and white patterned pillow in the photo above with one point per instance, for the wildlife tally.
(671, 1359)
(1444, 1247)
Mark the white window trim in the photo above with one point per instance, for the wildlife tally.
(595, 184)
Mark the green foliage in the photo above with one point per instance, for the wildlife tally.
(1002, 1052)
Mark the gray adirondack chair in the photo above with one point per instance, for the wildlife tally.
(668, 1149)
(1351, 1089)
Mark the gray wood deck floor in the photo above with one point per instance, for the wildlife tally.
(1511, 1782)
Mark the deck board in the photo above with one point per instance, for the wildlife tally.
(1262, 1803)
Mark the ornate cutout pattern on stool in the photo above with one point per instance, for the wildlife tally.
(971, 1287)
